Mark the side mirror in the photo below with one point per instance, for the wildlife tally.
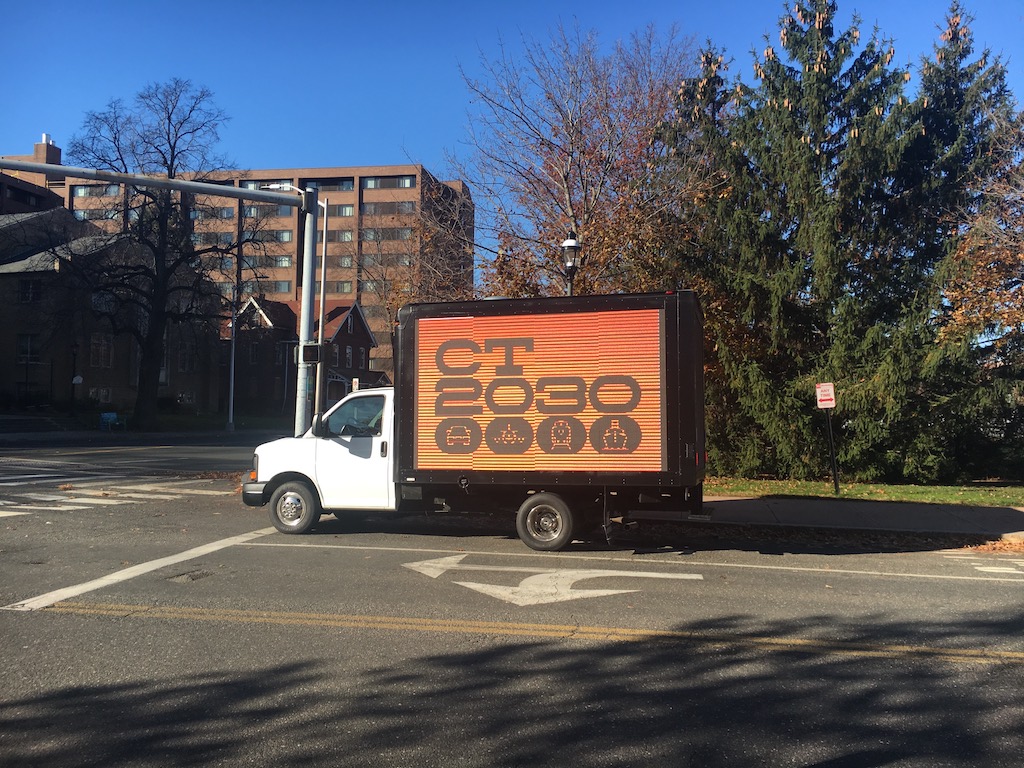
(318, 427)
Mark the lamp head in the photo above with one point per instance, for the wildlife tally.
(571, 253)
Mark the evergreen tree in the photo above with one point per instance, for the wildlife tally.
(827, 232)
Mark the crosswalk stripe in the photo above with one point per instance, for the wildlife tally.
(100, 502)
(50, 508)
(64, 479)
(173, 489)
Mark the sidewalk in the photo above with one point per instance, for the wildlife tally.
(1006, 523)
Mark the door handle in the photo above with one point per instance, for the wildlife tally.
(383, 447)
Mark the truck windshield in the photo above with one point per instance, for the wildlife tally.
(359, 417)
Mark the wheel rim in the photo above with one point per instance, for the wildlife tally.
(544, 523)
(290, 509)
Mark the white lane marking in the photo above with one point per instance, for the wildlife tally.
(63, 479)
(547, 585)
(104, 502)
(42, 601)
(997, 569)
(682, 564)
(149, 496)
(170, 488)
(5, 513)
(49, 508)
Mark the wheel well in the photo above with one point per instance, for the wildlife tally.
(290, 477)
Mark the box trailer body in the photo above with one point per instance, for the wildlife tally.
(570, 411)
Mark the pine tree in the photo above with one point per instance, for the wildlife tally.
(828, 235)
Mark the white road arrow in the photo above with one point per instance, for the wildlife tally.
(547, 585)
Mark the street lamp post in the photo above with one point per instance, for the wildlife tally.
(74, 374)
(321, 368)
(571, 258)
(236, 297)
(303, 385)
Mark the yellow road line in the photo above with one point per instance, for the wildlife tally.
(517, 629)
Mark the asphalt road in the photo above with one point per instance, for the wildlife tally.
(154, 620)
(142, 454)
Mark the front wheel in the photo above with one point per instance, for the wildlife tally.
(294, 508)
(545, 522)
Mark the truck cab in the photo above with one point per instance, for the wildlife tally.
(344, 461)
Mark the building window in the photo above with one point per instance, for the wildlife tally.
(273, 236)
(335, 355)
(335, 236)
(28, 348)
(212, 238)
(341, 210)
(378, 234)
(22, 196)
(258, 261)
(95, 190)
(279, 286)
(362, 357)
(95, 214)
(30, 291)
(332, 185)
(388, 182)
(254, 353)
(260, 184)
(345, 261)
(343, 286)
(101, 350)
(187, 357)
(266, 211)
(388, 208)
(348, 357)
(349, 324)
(198, 214)
(99, 394)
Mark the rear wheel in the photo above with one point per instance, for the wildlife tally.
(294, 508)
(545, 522)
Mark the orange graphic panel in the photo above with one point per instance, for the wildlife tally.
(568, 392)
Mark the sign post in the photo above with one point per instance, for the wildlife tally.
(826, 393)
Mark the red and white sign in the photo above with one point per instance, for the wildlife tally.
(826, 395)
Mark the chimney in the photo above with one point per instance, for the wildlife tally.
(46, 151)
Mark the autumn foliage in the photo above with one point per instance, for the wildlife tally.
(840, 221)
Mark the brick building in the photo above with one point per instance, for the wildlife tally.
(393, 234)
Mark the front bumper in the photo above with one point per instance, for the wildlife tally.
(252, 494)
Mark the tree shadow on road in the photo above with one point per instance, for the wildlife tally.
(736, 691)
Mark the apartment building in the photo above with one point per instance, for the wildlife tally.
(394, 234)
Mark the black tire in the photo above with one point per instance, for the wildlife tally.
(545, 522)
(294, 508)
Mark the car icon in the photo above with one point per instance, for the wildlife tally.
(457, 435)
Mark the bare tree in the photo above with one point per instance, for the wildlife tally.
(563, 139)
(417, 255)
(162, 275)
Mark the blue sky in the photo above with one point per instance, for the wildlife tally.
(322, 83)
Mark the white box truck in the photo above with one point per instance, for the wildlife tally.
(571, 412)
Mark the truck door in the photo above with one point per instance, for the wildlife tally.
(353, 461)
